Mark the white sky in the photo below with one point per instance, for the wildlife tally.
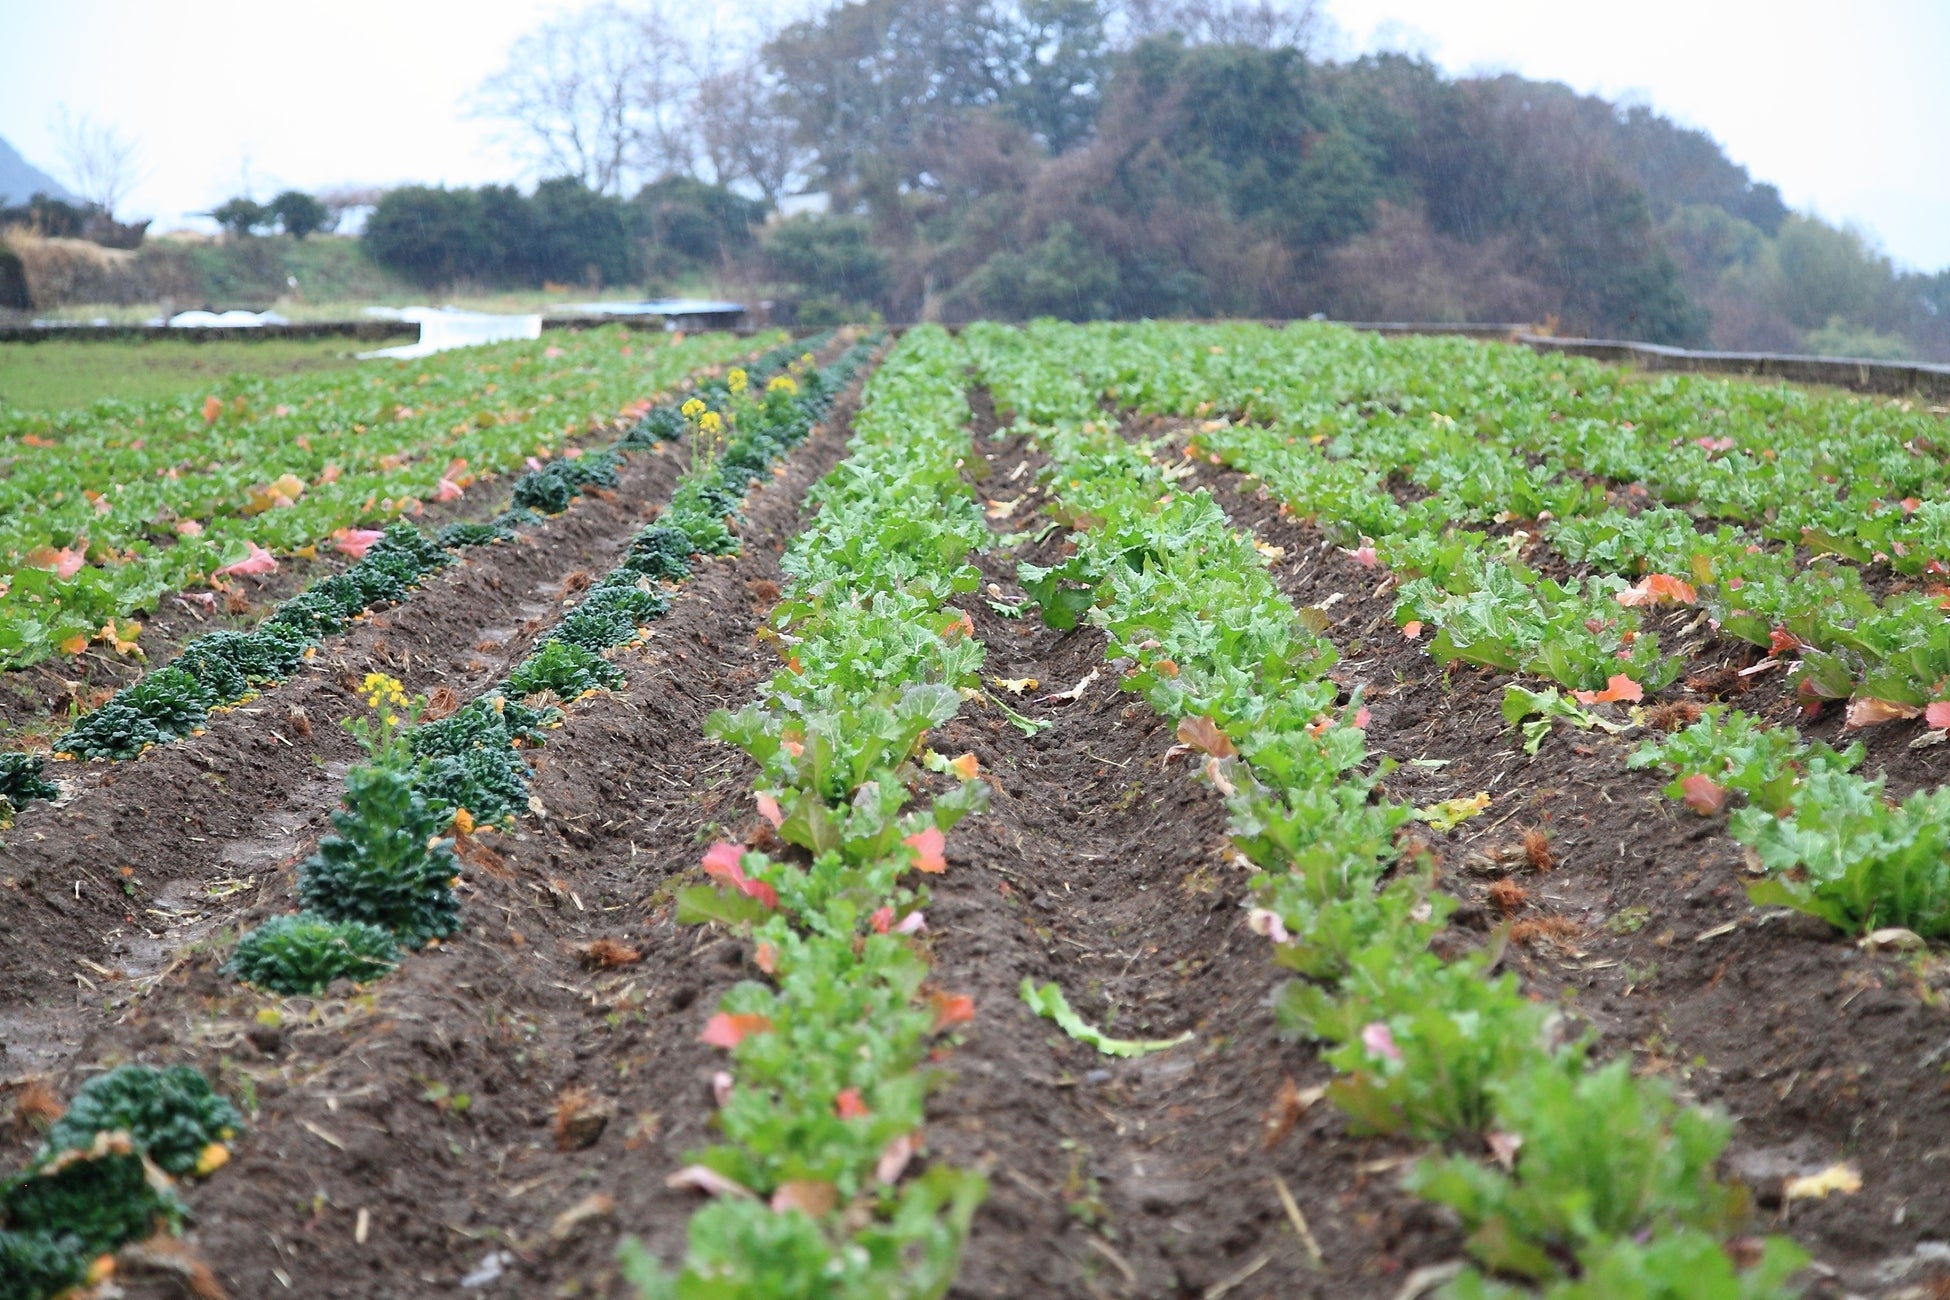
(1845, 107)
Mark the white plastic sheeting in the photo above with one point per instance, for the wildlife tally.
(442, 328)
(226, 319)
(657, 307)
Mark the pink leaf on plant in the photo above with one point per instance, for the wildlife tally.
(355, 542)
(448, 491)
(1380, 1041)
(1938, 715)
(912, 923)
(212, 408)
(721, 1084)
(1618, 687)
(848, 1104)
(806, 1196)
(882, 920)
(258, 561)
(62, 563)
(1867, 711)
(703, 1178)
(894, 1157)
(769, 809)
(1703, 794)
(1366, 556)
(1260, 920)
(727, 1030)
(725, 861)
(928, 846)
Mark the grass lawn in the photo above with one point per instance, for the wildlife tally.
(49, 376)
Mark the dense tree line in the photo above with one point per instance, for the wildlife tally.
(1097, 158)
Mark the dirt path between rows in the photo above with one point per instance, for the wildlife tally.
(1107, 870)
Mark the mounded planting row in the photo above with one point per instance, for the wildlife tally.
(821, 1109)
(144, 855)
(1614, 1190)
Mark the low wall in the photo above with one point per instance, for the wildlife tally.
(1889, 377)
(363, 331)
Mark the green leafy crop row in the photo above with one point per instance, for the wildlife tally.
(828, 1076)
(1607, 1175)
(104, 509)
(1833, 845)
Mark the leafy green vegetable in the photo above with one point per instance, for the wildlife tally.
(303, 953)
(1601, 1156)
(171, 1114)
(35, 1265)
(566, 669)
(386, 865)
(1049, 1003)
(100, 1197)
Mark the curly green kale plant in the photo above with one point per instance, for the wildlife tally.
(173, 1115)
(387, 866)
(101, 1197)
(303, 953)
(38, 1264)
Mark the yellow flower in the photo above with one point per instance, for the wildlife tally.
(782, 384)
(710, 422)
(379, 689)
(692, 409)
(736, 380)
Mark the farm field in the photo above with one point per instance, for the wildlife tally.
(52, 375)
(1115, 810)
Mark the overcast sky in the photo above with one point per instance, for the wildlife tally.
(1846, 108)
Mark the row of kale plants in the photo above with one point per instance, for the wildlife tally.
(106, 1175)
(821, 1107)
(1570, 1174)
(385, 880)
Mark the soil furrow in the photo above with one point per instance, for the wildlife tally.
(427, 1107)
(1106, 868)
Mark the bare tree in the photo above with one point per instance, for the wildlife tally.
(744, 130)
(102, 164)
(1268, 24)
(598, 94)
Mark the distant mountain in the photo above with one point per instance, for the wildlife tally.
(20, 180)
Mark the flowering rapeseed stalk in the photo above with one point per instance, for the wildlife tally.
(736, 380)
(395, 711)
